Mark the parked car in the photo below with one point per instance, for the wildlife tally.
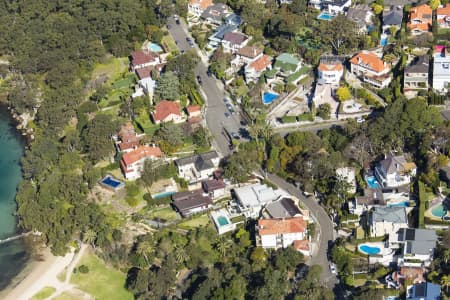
(209, 73)
(227, 115)
(360, 120)
(199, 80)
(168, 26)
(177, 21)
(333, 268)
(235, 136)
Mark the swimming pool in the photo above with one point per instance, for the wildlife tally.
(439, 211)
(154, 47)
(163, 194)
(110, 182)
(369, 250)
(269, 97)
(383, 41)
(325, 16)
(399, 204)
(372, 182)
(222, 221)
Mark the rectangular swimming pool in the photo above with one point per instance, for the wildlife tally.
(162, 195)
(325, 16)
(110, 182)
(222, 221)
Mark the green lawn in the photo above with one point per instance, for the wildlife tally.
(169, 44)
(102, 282)
(143, 121)
(166, 213)
(67, 296)
(198, 221)
(44, 293)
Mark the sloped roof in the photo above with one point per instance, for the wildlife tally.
(423, 12)
(287, 58)
(443, 11)
(261, 63)
(301, 245)
(193, 108)
(369, 59)
(398, 163)
(281, 226)
(420, 64)
(235, 38)
(201, 3)
(164, 109)
(283, 208)
(143, 56)
(140, 153)
(249, 51)
(330, 66)
(359, 12)
(393, 16)
(192, 159)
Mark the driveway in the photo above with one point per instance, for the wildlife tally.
(325, 228)
(213, 91)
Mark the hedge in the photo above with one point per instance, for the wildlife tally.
(195, 97)
(305, 117)
(289, 119)
(422, 200)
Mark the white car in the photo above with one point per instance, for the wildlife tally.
(333, 268)
(360, 120)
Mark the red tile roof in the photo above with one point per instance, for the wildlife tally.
(301, 245)
(424, 13)
(164, 109)
(194, 120)
(235, 38)
(261, 63)
(144, 72)
(204, 4)
(193, 108)
(443, 11)
(281, 226)
(324, 67)
(143, 56)
(140, 153)
(369, 59)
(249, 51)
(128, 137)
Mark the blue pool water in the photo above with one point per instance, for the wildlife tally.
(370, 250)
(383, 42)
(438, 211)
(399, 204)
(154, 47)
(162, 195)
(111, 182)
(325, 16)
(269, 97)
(222, 221)
(372, 182)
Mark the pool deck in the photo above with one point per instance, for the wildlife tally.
(383, 251)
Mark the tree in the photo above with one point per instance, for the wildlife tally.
(340, 34)
(445, 281)
(168, 87)
(343, 93)
(97, 137)
(170, 136)
(434, 4)
(258, 256)
(149, 174)
(324, 111)
(89, 237)
(377, 8)
(145, 248)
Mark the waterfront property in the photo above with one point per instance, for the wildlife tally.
(111, 183)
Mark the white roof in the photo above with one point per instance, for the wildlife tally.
(255, 195)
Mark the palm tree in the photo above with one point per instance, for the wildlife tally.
(89, 237)
(445, 281)
(222, 246)
(180, 255)
(145, 248)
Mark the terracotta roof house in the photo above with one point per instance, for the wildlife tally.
(133, 161)
(214, 188)
(127, 139)
(167, 111)
(280, 233)
(197, 7)
(395, 171)
(193, 110)
(330, 72)
(189, 203)
(420, 19)
(233, 41)
(443, 16)
(371, 69)
(254, 69)
(302, 246)
(416, 74)
(144, 58)
(245, 55)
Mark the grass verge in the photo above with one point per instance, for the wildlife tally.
(44, 293)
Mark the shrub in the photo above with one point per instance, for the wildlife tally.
(422, 199)
(83, 269)
(132, 201)
(289, 119)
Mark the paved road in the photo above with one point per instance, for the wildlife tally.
(325, 230)
(214, 92)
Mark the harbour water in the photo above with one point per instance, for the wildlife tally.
(13, 256)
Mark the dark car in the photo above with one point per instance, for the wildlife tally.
(199, 80)
(188, 39)
(177, 21)
(235, 136)
(168, 26)
(243, 123)
(209, 73)
(227, 115)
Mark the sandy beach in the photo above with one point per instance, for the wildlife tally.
(43, 273)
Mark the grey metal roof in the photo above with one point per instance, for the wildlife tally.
(200, 160)
(358, 13)
(217, 12)
(420, 64)
(416, 234)
(390, 214)
(283, 208)
(420, 247)
(425, 290)
(394, 16)
(393, 163)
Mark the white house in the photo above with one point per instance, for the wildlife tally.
(252, 198)
(423, 291)
(371, 69)
(387, 220)
(441, 70)
(198, 167)
(132, 162)
(362, 15)
(222, 221)
(417, 246)
(335, 7)
(214, 188)
(254, 70)
(144, 58)
(245, 55)
(233, 41)
(330, 72)
(197, 7)
(347, 174)
(395, 171)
